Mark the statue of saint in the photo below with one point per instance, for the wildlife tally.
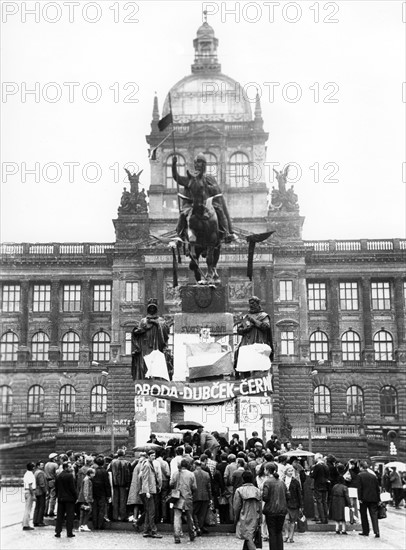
(211, 189)
(150, 334)
(255, 328)
(282, 177)
(125, 200)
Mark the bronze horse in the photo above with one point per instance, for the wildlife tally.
(202, 234)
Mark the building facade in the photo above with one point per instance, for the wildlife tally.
(338, 308)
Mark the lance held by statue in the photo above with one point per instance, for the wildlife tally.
(150, 354)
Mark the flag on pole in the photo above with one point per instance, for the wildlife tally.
(165, 121)
(152, 152)
(252, 240)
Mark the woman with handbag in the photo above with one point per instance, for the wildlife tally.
(351, 480)
(247, 511)
(294, 503)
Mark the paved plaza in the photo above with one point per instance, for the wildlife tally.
(13, 538)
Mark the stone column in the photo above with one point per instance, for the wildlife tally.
(367, 317)
(24, 312)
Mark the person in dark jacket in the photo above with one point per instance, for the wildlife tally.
(369, 497)
(41, 488)
(101, 493)
(66, 494)
(339, 500)
(274, 493)
(320, 474)
(396, 486)
(201, 497)
(120, 470)
(236, 445)
(294, 503)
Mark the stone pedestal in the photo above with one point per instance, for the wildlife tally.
(203, 319)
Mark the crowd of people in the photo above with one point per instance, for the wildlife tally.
(203, 479)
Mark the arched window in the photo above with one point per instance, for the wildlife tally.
(35, 403)
(67, 398)
(170, 183)
(40, 346)
(355, 400)
(70, 346)
(239, 170)
(389, 401)
(322, 400)
(351, 346)
(383, 346)
(6, 400)
(212, 167)
(9, 346)
(101, 346)
(98, 399)
(318, 346)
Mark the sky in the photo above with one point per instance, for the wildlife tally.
(329, 75)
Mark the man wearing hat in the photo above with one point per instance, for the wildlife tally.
(50, 469)
(212, 189)
(151, 334)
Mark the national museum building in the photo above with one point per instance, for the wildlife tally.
(337, 307)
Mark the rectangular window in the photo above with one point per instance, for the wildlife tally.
(380, 292)
(128, 345)
(41, 298)
(316, 296)
(286, 290)
(71, 297)
(102, 297)
(287, 342)
(349, 296)
(132, 292)
(11, 298)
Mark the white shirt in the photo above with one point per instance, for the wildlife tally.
(29, 478)
(175, 464)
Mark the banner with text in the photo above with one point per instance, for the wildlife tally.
(200, 393)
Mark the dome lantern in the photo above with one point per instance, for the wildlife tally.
(205, 45)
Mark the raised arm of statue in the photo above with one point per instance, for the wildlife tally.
(180, 180)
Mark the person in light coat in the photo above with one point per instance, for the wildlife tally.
(247, 511)
(185, 481)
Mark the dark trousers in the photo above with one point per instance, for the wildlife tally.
(163, 506)
(275, 526)
(149, 508)
(39, 509)
(372, 507)
(200, 508)
(120, 496)
(65, 509)
(321, 501)
(98, 512)
(397, 496)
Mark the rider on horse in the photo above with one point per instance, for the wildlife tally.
(211, 189)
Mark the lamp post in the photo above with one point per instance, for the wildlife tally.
(310, 374)
(107, 374)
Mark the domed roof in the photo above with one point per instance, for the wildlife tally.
(214, 97)
(205, 30)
